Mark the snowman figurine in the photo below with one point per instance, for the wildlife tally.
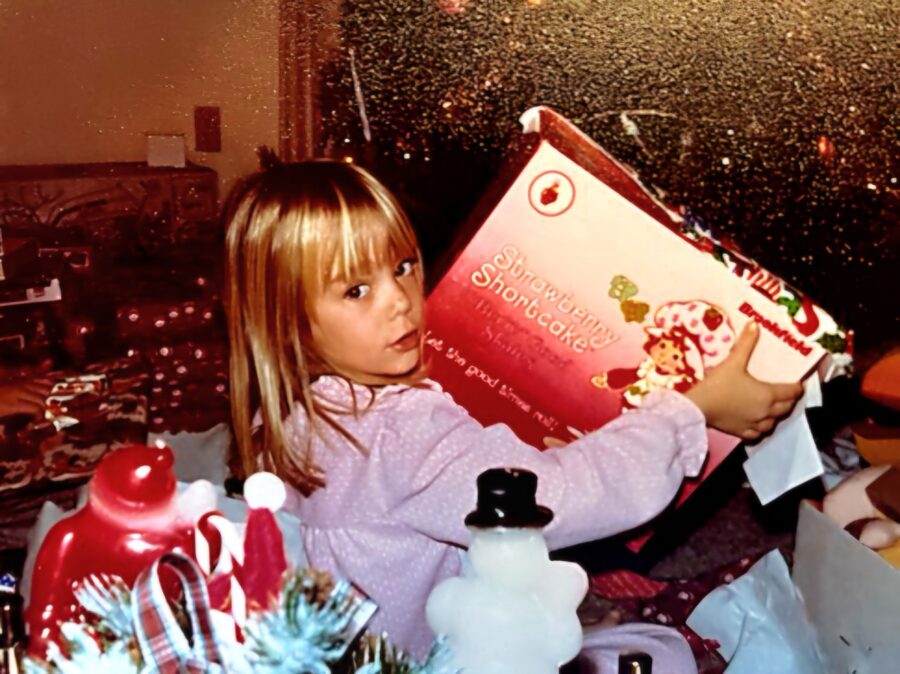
(513, 611)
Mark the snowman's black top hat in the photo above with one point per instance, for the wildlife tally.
(506, 498)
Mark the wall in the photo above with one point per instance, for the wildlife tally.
(85, 80)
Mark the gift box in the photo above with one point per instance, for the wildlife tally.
(79, 427)
(572, 280)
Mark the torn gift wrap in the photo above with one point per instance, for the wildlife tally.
(550, 317)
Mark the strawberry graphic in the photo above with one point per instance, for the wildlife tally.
(712, 319)
(550, 194)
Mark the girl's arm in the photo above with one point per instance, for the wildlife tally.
(606, 482)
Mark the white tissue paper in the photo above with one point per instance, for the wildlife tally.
(851, 594)
(789, 457)
(199, 456)
(760, 622)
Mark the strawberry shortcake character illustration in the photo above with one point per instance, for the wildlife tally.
(683, 340)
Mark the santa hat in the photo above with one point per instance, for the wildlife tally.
(249, 570)
(264, 558)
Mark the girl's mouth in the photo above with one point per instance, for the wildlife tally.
(407, 342)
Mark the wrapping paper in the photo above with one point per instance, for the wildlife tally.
(34, 452)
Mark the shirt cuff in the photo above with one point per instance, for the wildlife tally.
(690, 428)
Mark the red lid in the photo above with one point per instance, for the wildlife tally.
(135, 477)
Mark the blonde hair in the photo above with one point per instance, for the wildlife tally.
(291, 229)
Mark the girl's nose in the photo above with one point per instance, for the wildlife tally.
(400, 301)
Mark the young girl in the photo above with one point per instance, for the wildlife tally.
(326, 316)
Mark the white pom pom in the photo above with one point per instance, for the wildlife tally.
(264, 490)
(198, 499)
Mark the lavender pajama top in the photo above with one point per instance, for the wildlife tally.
(392, 521)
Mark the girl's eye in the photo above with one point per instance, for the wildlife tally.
(676, 356)
(405, 268)
(357, 292)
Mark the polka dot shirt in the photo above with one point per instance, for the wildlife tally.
(390, 517)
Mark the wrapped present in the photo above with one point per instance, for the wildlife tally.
(79, 428)
(189, 387)
(574, 283)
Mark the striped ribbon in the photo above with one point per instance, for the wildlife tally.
(164, 646)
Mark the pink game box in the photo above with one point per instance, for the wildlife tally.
(580, 292)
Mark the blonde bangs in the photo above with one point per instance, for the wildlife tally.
(358, 236)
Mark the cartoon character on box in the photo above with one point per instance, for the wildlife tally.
(132, 516)
(683, 340)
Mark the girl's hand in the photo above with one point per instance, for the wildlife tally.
(735, 402)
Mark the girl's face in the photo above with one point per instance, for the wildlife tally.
(370, 327)
(668, 356)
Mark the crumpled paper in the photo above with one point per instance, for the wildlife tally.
(789, 457)
(760, 622)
